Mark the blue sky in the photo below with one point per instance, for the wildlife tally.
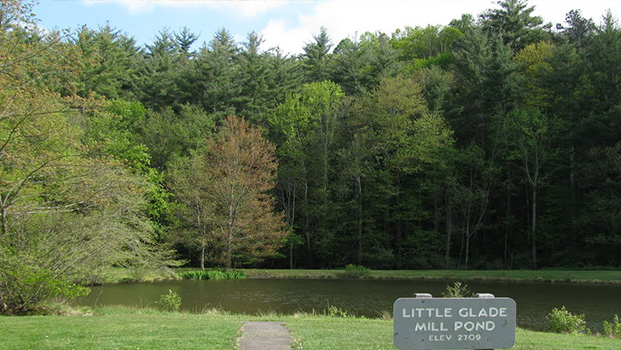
(287, 24)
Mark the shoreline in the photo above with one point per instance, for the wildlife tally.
(595, 277)
(583, 277)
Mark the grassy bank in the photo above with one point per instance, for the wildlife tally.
(574, 276)
(117, 275)
(123, 328)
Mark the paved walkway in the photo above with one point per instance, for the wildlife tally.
(265, 336)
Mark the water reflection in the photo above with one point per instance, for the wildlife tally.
(363, 297)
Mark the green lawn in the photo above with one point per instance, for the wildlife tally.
(123, 328)
(322, 333)
(129, 330)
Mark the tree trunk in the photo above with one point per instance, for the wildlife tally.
(573, 241)
(307, 227)
(507, 224)
(449, 234)
(291, 256)
(3, 214)
(467, 258)
(229, 253)
(203, 256)
(289, 195)
(533, 229)
(359, 181)
(201, 230)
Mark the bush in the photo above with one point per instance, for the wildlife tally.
(563, 321)
(170, 302)
(613, 330)
(214, 275)
(54, 255)
(457, 290)
(355, 271)
(24, 285)
(335, 311)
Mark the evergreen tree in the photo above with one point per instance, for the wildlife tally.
(316, 57)
(515, 23)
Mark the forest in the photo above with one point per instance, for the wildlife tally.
(490, 142)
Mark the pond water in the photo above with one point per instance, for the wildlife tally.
(363, 297)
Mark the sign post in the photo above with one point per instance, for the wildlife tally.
(425, 323)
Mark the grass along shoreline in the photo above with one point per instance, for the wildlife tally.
(571, 276)
(131, 328)
(613, 277)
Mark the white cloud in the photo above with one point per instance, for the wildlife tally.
(133, 6)
(247, 8)
(252, 8)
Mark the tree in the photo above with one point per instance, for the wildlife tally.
(533, 60)
(358, 65)
(194, 208)
(422, 47)
(531, 145)
(402, 140)
(213, 76)
(265, 77)
(184, 41)
(316, 57)
(239, 173)
(108, 62)
(578, 29)
(306, 124)
(69, 206)
(169, 134)
(158, 81)
(515, 23)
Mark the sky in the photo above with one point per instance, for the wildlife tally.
(286, 24)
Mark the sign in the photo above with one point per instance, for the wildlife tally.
(454, 323)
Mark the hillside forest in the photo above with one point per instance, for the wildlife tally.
(490, 142)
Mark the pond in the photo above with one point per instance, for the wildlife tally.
(368, 298)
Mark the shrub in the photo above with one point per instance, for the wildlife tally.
(355, 271)
(563, 321)
(170, 301)
(214, 275)
(335, 311)
(24, 285)
(457, 290)
(613, 330)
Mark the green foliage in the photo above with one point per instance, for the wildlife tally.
(485, 129)
(355, 271)
(24, 285)
(71, 192)
(457, 290)
(613, 330)
(515, 21)
(214, 275)
(335, 311)
(563, 321)
(169, 302)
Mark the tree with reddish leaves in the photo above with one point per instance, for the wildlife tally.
(240, 172)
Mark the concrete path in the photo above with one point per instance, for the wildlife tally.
(265, 336)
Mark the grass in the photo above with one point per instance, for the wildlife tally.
(122, 274)
(213, 275)
(120, 328)
(127, 328)
(117, 275)
(323, 333)
(573, 276)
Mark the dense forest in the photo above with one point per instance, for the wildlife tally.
(490, 142)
